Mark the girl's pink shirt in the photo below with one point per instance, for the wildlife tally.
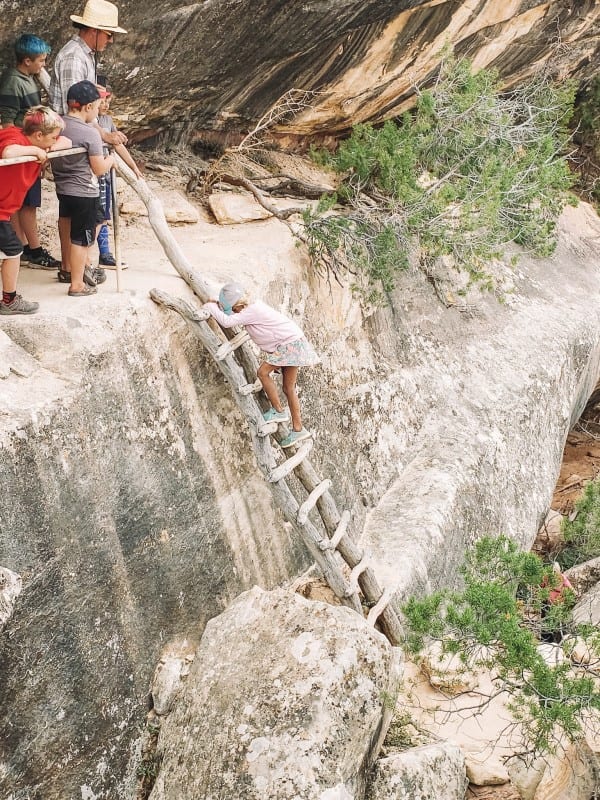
(266, 327)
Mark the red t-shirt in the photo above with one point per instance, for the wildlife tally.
(16, 179)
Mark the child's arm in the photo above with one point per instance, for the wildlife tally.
(62, 143)
(101, 164)
(121, 150)
(17, 150)
(224, 320)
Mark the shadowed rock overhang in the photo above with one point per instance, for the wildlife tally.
(219, 65)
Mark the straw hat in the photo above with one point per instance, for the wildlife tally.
(101, 15)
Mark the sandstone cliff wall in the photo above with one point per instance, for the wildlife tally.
(188, 68)
(133, 512)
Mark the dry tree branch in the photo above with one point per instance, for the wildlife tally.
(287, 106)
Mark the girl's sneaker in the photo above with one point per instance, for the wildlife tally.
(294, 437)
(272, 415)
(19, 306)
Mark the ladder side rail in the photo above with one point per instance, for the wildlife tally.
(311, 537)
(350, 551)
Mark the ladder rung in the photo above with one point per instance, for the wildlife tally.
(250, 388)
(228, 347)
(291, 463)
(362, 565)
(267, 428)
(340, 532)
(380, 605)
(311, 500)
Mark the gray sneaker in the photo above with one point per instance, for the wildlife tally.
(99, 275)
(19, 306)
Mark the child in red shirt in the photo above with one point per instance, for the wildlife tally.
(40, 133)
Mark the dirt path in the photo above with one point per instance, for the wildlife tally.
(581, 458)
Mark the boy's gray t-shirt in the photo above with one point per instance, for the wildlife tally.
(73, 175)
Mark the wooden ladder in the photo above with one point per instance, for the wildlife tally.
(345, 567)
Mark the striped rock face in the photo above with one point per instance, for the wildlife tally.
(183, 71)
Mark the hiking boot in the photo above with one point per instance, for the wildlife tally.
(19, 306)
(294, 437)
(107, 260)
(272, 415)
(41, 259)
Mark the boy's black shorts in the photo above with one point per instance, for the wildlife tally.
(10, 244)
(34, 195)
(85, 213)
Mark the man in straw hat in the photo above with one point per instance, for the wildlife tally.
(76, 61)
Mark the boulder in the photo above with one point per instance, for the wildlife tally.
(285, 699)
(570, 775)
(505, 792)
(488, 771)
(553, 654)
(230, 209)
(430, 772)
(178, 210)
(550, 535)
(587, 610)
(447, 672)
(526, 775)
(173, 667)
(583, 577)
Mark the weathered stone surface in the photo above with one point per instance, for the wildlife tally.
(178, 210)
(587, 610)
(583, 577)
(550, 534)
(526, 775)
(14, 358)
(422, 773)
(173, 667)
(292, 712)
(504, 792)
(135, 514)
(571, 775)
(230, 208)
(11, 586)
(552, 654)
(413, 533)
(183, 69)
(447, 672)
(488, 771)
(136, 511)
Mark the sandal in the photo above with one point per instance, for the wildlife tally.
(64, 276)
(85, 292)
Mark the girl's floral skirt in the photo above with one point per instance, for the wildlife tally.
(298, 353)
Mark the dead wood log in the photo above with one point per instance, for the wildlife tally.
(233, 180)
(288, 185)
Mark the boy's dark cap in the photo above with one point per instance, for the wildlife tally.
(82, 93)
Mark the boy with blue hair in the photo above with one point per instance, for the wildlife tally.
(19, 91)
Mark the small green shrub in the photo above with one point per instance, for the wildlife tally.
(488, 624)
(468, 172)
(582, 533)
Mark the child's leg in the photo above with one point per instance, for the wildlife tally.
(64, 233)
(77, 260)
(28, 222)
(289, 389)
(10, 273)
(103, 240)
(269, 385)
